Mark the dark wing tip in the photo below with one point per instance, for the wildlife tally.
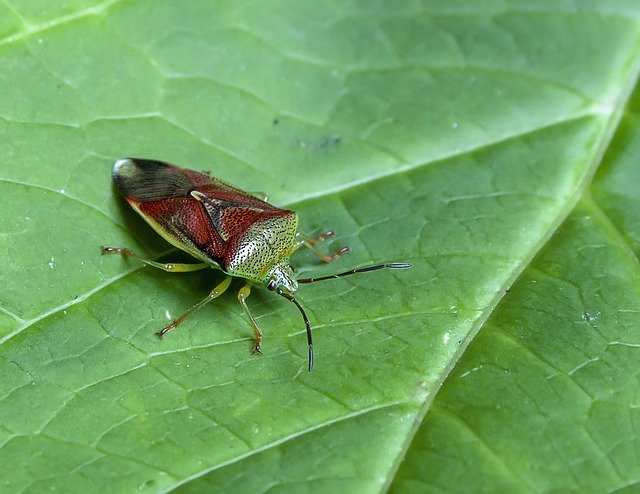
(132, 167)
(148, 180)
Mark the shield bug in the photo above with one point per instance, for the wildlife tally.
(225, 228)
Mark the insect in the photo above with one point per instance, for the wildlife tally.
(225, 228)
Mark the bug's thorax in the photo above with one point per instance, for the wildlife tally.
(261, 252)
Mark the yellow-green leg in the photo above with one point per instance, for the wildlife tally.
(244, 292)
(215, 293)
(310, 243)
(171, 267)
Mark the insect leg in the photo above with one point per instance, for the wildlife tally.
(322, 237)
(244, 292)
(215, 293)
(171, 267)
(310, 243)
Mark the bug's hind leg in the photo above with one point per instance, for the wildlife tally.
(215, 293)
(310, 244)
(171, 267)
(244, 292)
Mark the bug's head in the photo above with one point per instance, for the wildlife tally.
(281, 279)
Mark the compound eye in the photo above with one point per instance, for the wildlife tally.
(272, 285)
(292, 268)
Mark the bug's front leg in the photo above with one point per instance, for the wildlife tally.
(310, 244)
(244, 292)
(170, 267)
(215, 293)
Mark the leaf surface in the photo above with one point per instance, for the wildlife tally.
(493, 145)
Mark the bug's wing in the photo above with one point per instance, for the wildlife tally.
(161, 194)
(149, 180)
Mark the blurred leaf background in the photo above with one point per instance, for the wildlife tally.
(492, 144)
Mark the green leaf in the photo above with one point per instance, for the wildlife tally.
(493, 145)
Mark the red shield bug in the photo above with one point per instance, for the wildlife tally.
(226, 229)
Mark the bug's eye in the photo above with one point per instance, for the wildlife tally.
(272, 285)
(292, 268)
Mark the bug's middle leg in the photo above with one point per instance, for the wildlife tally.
(244, 292)
(310, 244)
(215, 293)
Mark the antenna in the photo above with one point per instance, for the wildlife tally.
(366, 269)
(306, 324)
